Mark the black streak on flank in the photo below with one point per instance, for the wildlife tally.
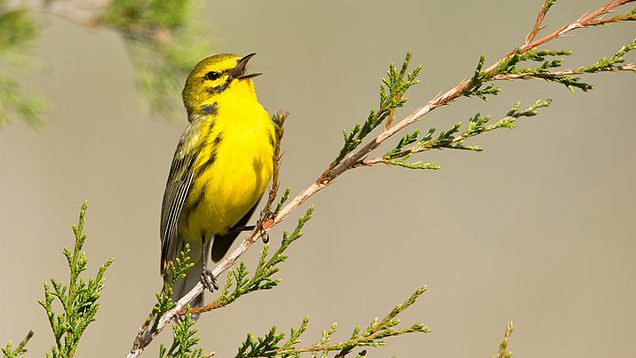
(200, 170)
(208, 163)
(195, 205)
(210, 127)
(210, 109)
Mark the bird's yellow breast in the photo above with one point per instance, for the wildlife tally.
(231, 170)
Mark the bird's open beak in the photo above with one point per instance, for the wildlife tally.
(239, 71)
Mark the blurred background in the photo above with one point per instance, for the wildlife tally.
(538, 229)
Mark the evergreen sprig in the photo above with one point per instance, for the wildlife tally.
(479, 78)
(273, 344)
(161, 36)
(175, 271)
(547, 6)
(453, 138)
(546, 59)
(239, 282)
(9, 352)
(392, 91)
(184, 335)
(265, 346)
(610, 64)
(283, 199)
(570, 78)
(503, 351)
(184, 340)
(164, 43)
(78, 299)
(628, 16)
(547, 63)
(17, 34)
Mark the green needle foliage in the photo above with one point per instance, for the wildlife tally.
(453, 138)
(176, 270)
(612, 63)
(19, 351)
(503, 351)
(184, 335)
(163, 43)
(547, 7)
(78, 299)
(161, 37)
(532, 64)
(17, 32)
(163, 47)
(392, 91)
(184, 340)
(273, 344)
(477, 81)
(239, 282)
(282, 201)
(545, 62)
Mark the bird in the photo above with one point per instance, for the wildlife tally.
(220, 170)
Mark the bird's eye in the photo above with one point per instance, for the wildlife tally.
(212, 75)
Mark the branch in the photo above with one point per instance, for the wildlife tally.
(630, 67)
(262, 279)
(273, 344)
(450, 139)
(537, 24)
(449, 96)
(630, 16)
(19, 351)
(356, 156)
(79, 299)
(66, 10)
(265, 220)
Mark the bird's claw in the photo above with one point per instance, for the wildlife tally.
(264, 223)
(208, 280)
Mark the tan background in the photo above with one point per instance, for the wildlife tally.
(537, 229)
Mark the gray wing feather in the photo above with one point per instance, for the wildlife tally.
(176, 193)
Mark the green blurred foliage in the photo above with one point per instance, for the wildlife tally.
(17, 33)
(161, 36)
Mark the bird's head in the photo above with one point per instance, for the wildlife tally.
(214, 78)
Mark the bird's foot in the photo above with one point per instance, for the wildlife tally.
(264, 223)
(208, 280)
(264, 235)
(240, 229)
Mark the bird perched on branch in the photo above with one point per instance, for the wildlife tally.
(220, 170)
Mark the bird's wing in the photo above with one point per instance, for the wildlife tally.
(177, 189)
